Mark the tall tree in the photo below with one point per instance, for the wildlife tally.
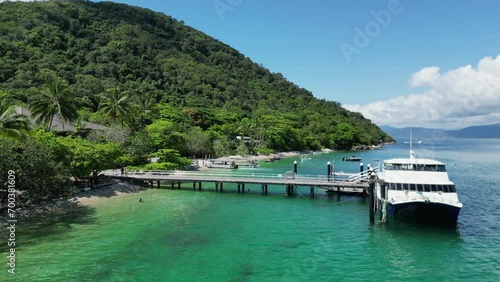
(11, 123)
(142, 106)
(115, 104)
(55, 100)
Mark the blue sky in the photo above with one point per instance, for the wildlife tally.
(302, 40)
(384, 79)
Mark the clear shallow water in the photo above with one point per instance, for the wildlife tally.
(206, 236)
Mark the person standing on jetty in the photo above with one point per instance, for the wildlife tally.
(122, 170)
(371, 172)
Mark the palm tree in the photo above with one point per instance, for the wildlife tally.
(79, 125)
(11, 123)
(143, 105)
(115, 105)
(245, 127)
(56, 99)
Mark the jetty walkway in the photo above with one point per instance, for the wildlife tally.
(335, 182)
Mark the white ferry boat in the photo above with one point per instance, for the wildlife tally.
(420, 187)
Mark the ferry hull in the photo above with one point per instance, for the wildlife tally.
(425, 212)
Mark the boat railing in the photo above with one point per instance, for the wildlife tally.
(363, 175)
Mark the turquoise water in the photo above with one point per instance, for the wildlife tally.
(207, 236)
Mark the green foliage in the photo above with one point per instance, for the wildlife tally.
(86, 156)
(57, 145)
(265, 151)
(115, 104)
(12, 124)
(156, 73)
(55, 99)
(168, 159)
(39, 173)
(140, 147)
(115, 134)
(222, 147)
(162, 166)
(197, 143)
(242, 150)
(167, 155)
(164, 135)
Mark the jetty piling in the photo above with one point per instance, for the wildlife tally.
(371, 192)
(329, 170)
(383, 194)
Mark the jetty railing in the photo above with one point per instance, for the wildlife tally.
(224, 176)
(229, 176)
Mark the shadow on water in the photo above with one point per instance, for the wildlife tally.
(56, 223)
(412, 226)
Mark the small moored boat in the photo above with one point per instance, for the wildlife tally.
(352, 159)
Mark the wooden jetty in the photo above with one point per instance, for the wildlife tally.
(340, 183)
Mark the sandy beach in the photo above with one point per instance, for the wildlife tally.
(96, 195)
(205, 163)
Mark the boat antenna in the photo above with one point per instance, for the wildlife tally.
(412, 153)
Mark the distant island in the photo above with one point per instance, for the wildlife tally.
(480, 131)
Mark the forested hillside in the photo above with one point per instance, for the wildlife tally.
(164, 82)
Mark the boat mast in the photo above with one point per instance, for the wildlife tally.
(412, 153)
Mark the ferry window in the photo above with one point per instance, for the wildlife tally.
(445, 188)
(434, 188)
(439, 187)
(452, 188)
(441, 168)
(413, 187)
(391, 186)
(427, 188)
(419, 187)
(398, 186)
(406, 186)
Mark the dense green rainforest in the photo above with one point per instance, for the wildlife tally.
(160, 87)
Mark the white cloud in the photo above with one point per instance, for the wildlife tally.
(424, 77)
(458, 98)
